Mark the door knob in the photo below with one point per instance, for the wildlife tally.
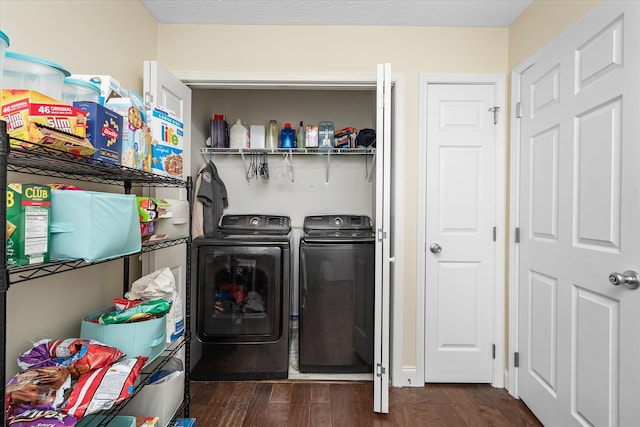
(435, 248)
(629, 278)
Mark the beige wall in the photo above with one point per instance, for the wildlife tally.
(115, 37)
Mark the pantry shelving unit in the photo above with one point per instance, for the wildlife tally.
(24, 157)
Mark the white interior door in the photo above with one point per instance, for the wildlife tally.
(383, 239)
(579, 218)
(460, 232)
(166, 91)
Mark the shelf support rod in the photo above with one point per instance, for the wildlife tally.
(326, 177)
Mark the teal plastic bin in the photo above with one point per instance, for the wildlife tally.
(144, 338)
(93, 226)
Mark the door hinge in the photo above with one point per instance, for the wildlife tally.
(517, 235)
(493, 351)
(380, 370)
(381, 234)
(495, 231)
(518, 110)
(148, 100)
(516, 359)
(494, 110)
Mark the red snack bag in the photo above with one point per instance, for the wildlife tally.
(101, 389)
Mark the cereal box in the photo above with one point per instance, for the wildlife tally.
(28, 222)
(167, 143)
(104, 131)
(34, 117)
(136, 139)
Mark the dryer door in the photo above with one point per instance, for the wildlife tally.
(240, 293)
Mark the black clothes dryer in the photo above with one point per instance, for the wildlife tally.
(243, 277)
(337, 284)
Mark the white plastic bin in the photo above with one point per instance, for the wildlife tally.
(161, 399)
(75, 90)
(28, 72)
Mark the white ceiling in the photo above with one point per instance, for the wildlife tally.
(465, 13)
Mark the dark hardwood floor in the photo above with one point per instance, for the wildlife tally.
(298, 403)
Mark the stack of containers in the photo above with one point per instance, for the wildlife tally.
(79, 90)
(4, 44)
(31, 73)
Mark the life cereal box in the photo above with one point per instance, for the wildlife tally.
(167, 143)
(104, 131)
(28, 221)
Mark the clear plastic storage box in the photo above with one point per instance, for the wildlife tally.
(28, 72)
(75, 90)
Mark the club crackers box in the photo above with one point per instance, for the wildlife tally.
(28, 222)
(104, 131)
(167, 143)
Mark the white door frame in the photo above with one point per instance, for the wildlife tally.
(498, 80)
(196, 80)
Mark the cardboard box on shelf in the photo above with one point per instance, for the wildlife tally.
(167, 143)
(136, 138)
(34, 117)
(109, 87)
(28, 221)
(104, 131)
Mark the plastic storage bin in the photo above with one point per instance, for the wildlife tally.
(28, 72)
(93, 225)
(117, 421)
(4, 44)
(144, 338)
(161, 399)
(75, 90)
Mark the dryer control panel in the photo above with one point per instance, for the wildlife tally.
(259, 224)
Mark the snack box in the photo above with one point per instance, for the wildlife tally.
(28, 221)
(20, 107)
(109, 87)
(104, 131)
(136, 139)
(167, 143)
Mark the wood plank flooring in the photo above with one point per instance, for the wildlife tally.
(298, 403)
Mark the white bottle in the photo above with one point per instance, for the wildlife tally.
(238, 135)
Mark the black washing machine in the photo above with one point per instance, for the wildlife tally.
(337, 284)
(242, 303)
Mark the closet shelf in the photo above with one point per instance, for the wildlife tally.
(35, 271)
(295, 151)
(35, 159)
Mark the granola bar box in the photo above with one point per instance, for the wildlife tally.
(28, 223)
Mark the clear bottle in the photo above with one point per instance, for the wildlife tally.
(300, 137)
(271, 135)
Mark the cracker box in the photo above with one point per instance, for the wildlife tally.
(104, 131)
(136, 138)
(34, 117)
(28, 222)
(167, 143)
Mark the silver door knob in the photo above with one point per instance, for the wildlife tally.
(629, 278)
(435, 248)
